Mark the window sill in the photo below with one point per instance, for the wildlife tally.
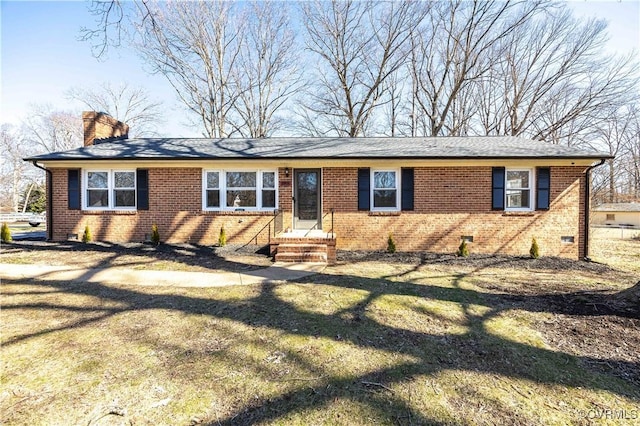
(519, 214)
(110, 212)
(237, 213)
(385, 213)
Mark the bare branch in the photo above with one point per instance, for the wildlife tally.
(131, 105)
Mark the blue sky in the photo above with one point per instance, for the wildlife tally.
(41, 57)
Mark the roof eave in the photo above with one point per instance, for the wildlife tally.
(332, 158)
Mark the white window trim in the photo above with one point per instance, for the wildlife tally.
(111, 186)
(222, 187)
(532, 190)
(372, 189)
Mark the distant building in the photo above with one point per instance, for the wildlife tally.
(617, 214)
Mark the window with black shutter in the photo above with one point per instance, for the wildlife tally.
(364, 189)
(543, 188)
(407, 189)
(142, 194)
(497, 185)
(73, 189)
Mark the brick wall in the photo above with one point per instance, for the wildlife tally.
(449, 202)
(454, 201)
(175, 205)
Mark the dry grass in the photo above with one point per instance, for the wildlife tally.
(619, 248)
(366, 342)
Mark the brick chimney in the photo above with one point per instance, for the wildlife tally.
(99, 126)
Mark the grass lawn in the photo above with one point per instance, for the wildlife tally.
(398, 340)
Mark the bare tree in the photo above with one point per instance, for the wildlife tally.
(618, 134)
(553, 82)
(113, 19)
(15, 174)
(632, 154)
(51, 130)
(196, 46)
(131, 105)
(455, 48)
(233, 66)
(395, 91)
(359, 44)
(267, 69)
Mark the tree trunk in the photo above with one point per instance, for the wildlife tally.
(612, 182)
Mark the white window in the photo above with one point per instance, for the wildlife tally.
(212, 190)
(269, 190)
(385, 191)
(519, 189)
(110, 189)
(239, 190)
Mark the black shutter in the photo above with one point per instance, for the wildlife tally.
(364, 182)
(142, 189)
(73, 189)
(543, 188)
(407, 190)
(497, 186)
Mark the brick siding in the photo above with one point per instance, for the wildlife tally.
(175, 206)
(449, 202)
(454, 201)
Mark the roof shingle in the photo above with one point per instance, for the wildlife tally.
(321, 148)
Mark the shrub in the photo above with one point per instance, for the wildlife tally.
(86, 236)
(6, 234)
(391, 245)
(534, 251)
(463, 250)
(37, 200)
(155, 235)
(222, 238)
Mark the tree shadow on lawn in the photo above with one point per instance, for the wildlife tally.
(478, 349)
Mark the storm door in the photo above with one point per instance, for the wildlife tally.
(306, 201)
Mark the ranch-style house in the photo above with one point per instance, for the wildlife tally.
(307, 197)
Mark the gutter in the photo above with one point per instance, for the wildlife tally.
(49, 199)
(587, 208)
(316, 158)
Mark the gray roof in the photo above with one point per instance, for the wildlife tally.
(508, 147)
(618, 207)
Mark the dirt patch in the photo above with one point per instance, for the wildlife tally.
(475, 261)
(179, 257)
(605, 343)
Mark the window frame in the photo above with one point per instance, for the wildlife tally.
(111, 190)
(222, 188)
(205, 189)
(397, 188)
(531, 189)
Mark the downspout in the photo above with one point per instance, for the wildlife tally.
(49, 200)
(587, 208)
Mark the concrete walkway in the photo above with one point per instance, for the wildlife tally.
(123, 276)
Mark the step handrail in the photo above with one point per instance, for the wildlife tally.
(276, 214)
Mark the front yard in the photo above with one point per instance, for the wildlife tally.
(402, 339)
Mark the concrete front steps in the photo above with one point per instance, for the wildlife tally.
(304, 249)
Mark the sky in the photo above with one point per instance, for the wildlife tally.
(41, 57)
